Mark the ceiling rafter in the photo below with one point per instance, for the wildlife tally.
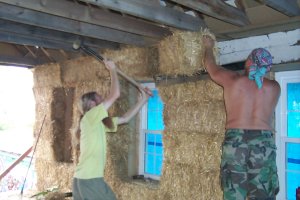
(153, 12)
(30, 51)
(30, 17)
(18, 61)
(13, 38)
(290, 8)
(47, 54)
(92, 15)
(54, 25)
(217, 9)
(61, 39)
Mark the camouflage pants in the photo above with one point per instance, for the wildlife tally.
(248, 166)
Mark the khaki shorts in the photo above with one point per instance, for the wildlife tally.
(248, 166)
(92, 189)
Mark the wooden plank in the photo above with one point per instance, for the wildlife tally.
(20, 62)
(255, 30)
(92, 15)
(153, 12)
(290, 8)
(51, 35)
(217, 9)
(13, 38)
(286, 67)
(29, 50)
(26, 153)
(162, 80)
(26, 16)
(283, 46)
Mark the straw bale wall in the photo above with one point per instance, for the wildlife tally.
(194, 118)
(182, 53)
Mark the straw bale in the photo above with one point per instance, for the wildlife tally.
(182, 52)
(83, 69)
(47, 76)
(117, 153)
(194, 117)
(139, 63)
(203, 90)
(189, 107)
(134, 191)
(207, 117)
(213, 91)
(45, 150)
(200, 150)
(188, 182)
(50, 174)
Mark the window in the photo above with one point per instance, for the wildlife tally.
(151, 127)
(288, 134)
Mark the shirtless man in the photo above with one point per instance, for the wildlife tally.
(248, 166)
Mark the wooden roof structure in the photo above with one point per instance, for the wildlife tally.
(34, 32)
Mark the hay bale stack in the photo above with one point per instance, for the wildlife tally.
(194, 118)
(182, 53)
(193, 107)
(82, 70)
(47, 76)
(139, 63)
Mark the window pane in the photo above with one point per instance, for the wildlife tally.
(293, 109)
(149, 164)
(150, 143)
(159, 161)
(155, 112)
(153, 154)
(158, 144)
(293, 97)
(153, 146)
(293, 169)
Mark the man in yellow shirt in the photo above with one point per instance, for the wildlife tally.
(88, 182)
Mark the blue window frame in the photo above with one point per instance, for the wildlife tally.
(151, 141)
(288, 134)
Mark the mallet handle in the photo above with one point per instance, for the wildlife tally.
(100, 58)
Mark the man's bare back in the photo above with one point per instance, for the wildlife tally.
(248, 161)
(248, 107)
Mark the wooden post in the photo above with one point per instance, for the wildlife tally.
(15, 163)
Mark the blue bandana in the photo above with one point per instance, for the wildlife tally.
(259, 63)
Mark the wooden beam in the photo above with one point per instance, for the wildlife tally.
(30, 17)
(21, 61)
(286, 67)
(217, 9)
(152, 12)
(13, 38)
(92, 15)
(30, 51)
(288, 7)
(283, 46)
(47, 54)
(240, 4)
(66, 39)
(200, 75)
(21, 50)
(26, 153)
(251, 30)
(178, 79)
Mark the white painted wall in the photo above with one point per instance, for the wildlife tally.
(282, 45)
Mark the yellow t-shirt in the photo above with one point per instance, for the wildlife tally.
(93, 143)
